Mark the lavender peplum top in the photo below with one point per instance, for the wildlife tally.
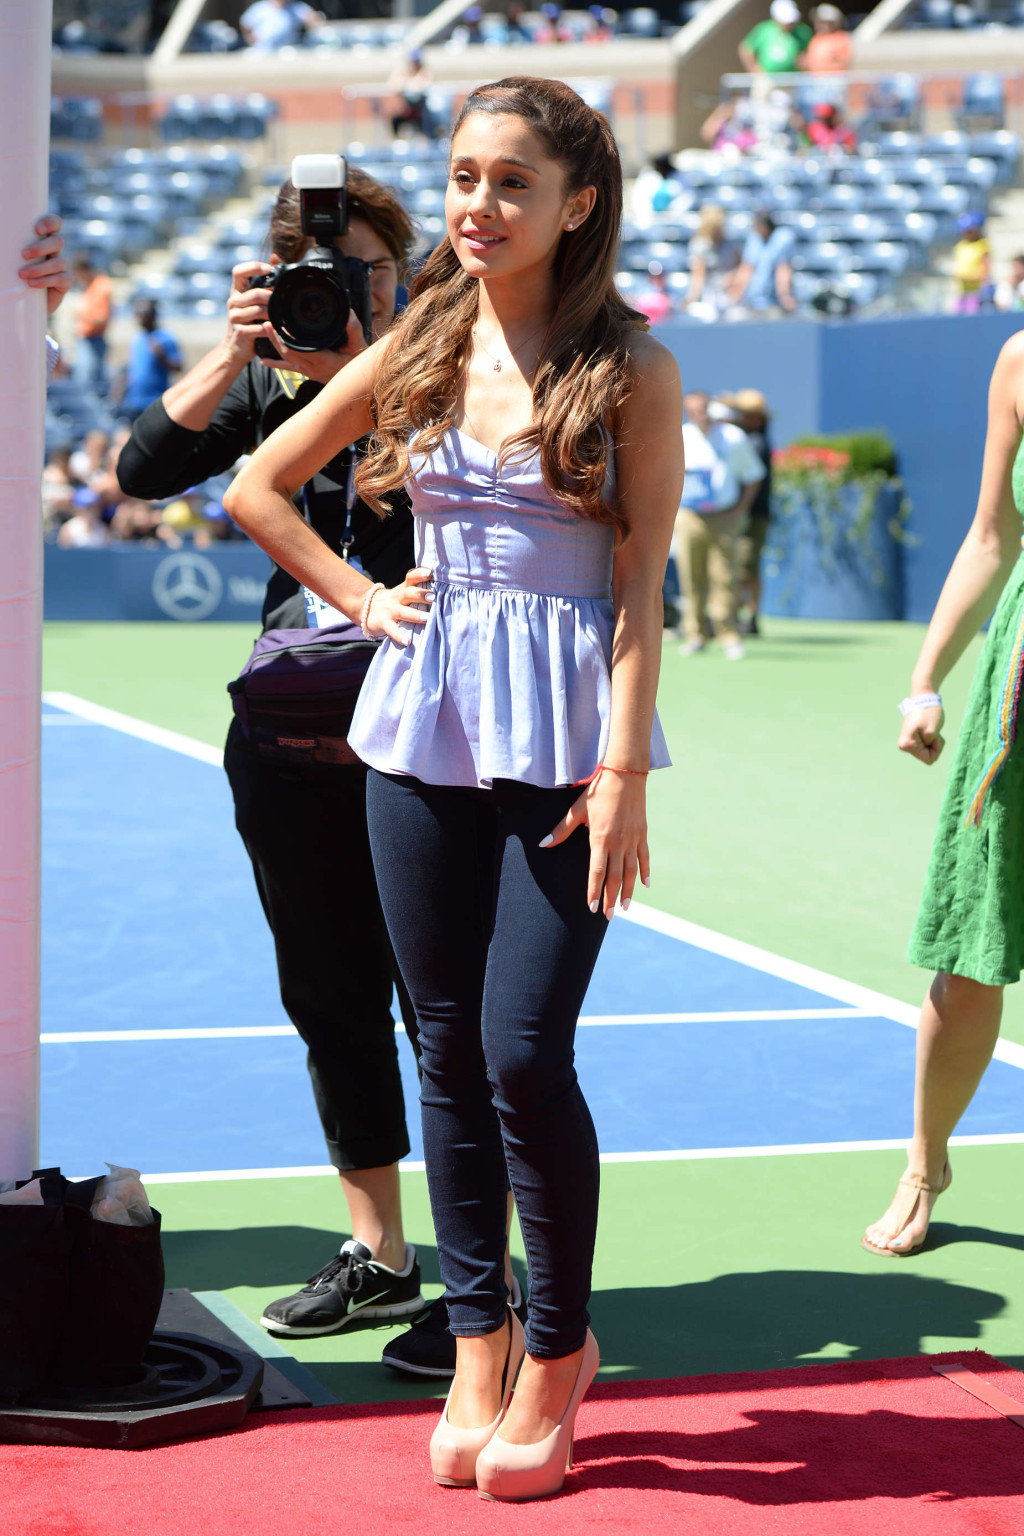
(510, 677)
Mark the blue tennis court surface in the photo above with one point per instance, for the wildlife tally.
(151, 923)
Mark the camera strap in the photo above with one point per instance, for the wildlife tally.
(318, 613)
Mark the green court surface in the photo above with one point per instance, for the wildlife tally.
(789, 821)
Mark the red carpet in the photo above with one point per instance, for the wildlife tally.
(886, 1447)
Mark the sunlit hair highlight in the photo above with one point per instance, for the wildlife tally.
(582, 373)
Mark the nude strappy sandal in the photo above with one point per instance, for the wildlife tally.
(914, 1186)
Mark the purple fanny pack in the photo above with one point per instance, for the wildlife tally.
(295, 696)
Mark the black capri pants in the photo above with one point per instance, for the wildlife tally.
(304, 829)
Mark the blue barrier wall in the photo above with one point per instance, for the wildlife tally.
(129, 582)
(924, 378)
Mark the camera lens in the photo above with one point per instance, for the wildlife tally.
(310, 310)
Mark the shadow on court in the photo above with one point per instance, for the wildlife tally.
(756, 1322)
(735, 1322)
(259, 1257)
(942, 1234)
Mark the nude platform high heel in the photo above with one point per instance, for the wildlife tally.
(519, 1472)
(453, 1450)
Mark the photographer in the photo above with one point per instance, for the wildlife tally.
(301, 821)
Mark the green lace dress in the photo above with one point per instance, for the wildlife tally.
(971, 919)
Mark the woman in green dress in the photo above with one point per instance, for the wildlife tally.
(970, 927)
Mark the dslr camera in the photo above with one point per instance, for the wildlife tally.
(311, 300)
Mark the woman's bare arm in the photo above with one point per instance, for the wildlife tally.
(984, 560)
(649, 466)
(261, 499)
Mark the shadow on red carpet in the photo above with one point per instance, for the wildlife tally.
(886, 1446)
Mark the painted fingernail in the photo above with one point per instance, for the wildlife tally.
(610, 913)
(594, 906)
(546, 842)
(625, 904)
(646, 880)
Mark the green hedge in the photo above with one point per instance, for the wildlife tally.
(869, 451)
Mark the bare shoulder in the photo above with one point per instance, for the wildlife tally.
(1006, 390)
(650, 362)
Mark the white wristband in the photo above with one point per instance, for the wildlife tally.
(920, 701)
(364, 612)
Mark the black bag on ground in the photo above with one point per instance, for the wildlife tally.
(295, 696)
(79, 1296)
(35, 1246)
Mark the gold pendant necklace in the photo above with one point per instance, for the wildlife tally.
(496, 361)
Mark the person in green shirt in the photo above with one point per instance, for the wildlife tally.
(773, 46)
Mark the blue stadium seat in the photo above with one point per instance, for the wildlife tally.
(1000, 146)
(895, 102)
(953, 144)
(822, 256)
(898, 143)
(642, 21)
(886, 256)
(863, 172)
(895, 197)
(984, 99)
(840, 196)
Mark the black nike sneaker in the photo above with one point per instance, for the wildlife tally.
(353, 1285)
(428, 1347)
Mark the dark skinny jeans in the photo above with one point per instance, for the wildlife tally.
(497, 945)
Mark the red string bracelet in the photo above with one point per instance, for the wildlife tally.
(640, 773)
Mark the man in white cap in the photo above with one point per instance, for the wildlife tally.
(775, 45)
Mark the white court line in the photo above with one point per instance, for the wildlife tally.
(874, 1004)
(689, 1155)
(99, 714)
(277, 1031)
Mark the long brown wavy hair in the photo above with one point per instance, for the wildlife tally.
(582, 372)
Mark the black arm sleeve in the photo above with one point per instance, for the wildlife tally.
(162, 458)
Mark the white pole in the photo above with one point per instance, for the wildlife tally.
(25, 32)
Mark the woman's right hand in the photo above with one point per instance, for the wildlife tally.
(921, 733)
(247, 311)
(408, 603)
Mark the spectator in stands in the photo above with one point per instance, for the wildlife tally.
(91, 322)
(751, 415)
(730, 127)
(59, 487)
(655, 301)
(830, 50)
(517, 30)
(603, 29)
(826, 129)
(469, 32)
(90, 455)
(85, 528)
(552, 28)
(972, 266)
(774, 46)
(764, 277)
(655, 189)
(713, 261)
(411, 81)
(722, 476)
(271, 24)
(153, 358)
(1010, 292)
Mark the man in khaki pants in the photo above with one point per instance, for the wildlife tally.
(722, 476)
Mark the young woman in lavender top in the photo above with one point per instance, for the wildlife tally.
(508, 718)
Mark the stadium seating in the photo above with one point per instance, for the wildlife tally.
(877, 215)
